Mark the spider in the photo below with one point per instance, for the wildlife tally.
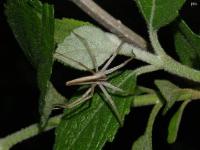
(98, 78)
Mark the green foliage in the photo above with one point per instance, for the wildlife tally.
(158, 13)
(175, 123)
(52, 98)
(46, 55)
(187, 45)
(144, 142)
(63, 28)
(170, 92)
(25, 20)
(95, 125)
(33, 26)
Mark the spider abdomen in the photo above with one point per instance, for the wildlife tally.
(99, 76)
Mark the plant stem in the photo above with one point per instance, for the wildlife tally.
(151, 121)
(110, 23)
(155, 42)
(145, 100)
(169, 64)
(152, 99)
(174, 67)
(145, 69)
(165, 62)
(146, 56)
(9, 141)
(153, 32)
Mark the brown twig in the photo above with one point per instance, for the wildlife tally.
(110, 23)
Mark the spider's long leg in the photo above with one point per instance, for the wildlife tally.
(111, 104)
(79, 63)
(112, 57)
(84, 83)
(94, 62)
(112, 87)
(118, 67)
(86, 96)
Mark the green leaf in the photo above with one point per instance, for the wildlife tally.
(170, 92)
(46, 55)
(93, 126)
(158, 13)
(187, 45)
(24, 18)
(63, 28)
(175, 123)
(33, 26)
(144, 142)
(73, 48)
(52, 98)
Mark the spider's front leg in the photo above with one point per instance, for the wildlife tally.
(86, 96)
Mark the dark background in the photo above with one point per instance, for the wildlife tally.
(19, 93)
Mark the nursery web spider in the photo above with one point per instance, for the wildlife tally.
(98, 78)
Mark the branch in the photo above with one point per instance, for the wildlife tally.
(146, 69)
(110, 23)
(9, 141)
(153, 98)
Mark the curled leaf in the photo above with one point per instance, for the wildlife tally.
(175, 123)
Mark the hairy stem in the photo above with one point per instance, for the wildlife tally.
(9, 141)
(174, 67)
(110, 23)
(145, 69)
(153, 33)
(152, 99)
(151, 121)
(165, 62)
(155, 42)
(146, 56)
